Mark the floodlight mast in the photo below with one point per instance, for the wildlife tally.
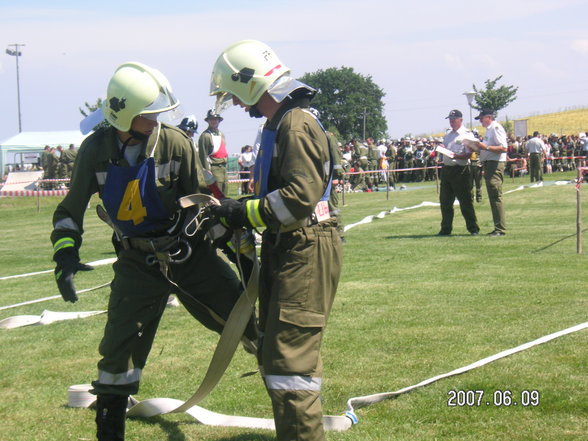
(16, 53)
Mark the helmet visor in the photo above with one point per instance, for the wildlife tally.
(224, 100)
(164, 101)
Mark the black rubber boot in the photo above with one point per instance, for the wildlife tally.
(111, 412)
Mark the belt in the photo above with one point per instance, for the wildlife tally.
(149, 244)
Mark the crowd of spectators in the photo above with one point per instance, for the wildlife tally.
(563, 153)
(414, 159)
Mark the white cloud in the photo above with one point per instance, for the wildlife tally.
(580, 46)
(453, 61)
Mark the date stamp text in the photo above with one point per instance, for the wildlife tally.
(496, 398)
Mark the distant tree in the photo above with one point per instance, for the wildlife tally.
(92, 108)
(343, 98)
(492, 97)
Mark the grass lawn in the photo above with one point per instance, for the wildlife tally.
(410, 306)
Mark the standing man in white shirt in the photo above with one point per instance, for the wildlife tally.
(456, 177)
(493, 157)
(536, 150)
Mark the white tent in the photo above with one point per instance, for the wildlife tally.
(19, 148)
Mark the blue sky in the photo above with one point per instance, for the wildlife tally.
(424, 54)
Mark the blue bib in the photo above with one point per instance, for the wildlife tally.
(263, 163)
(131, 199)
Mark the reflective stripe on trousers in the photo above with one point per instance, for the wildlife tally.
(128, 377)
(293, 382)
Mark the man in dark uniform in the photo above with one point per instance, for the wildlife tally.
(140, 167)
(301, 252)
(456, 178)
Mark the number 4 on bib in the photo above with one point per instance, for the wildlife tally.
(131, 207)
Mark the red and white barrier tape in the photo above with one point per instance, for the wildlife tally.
(12, 193)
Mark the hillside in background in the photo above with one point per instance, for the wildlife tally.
(569, 122)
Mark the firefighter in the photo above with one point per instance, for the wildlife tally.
(301, 252)
(140, 167)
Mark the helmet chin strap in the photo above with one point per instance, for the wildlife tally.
(138, 135)
(254, 112)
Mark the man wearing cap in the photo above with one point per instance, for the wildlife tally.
(493, 150)
(536, 150)
(456, 178)
(213, 150)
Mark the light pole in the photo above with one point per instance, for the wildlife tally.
(364, 118)
(16, 53)
(470, 96)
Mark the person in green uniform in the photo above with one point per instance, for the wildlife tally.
(52, 169)
(391, 154)
(212, 149)
(373, 159)
(45, 163)
(66, 161)
(361, 154)
(140, 167)
(301, 251)
(493, 150)
(477, 174)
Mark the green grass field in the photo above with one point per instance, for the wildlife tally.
(410, 306)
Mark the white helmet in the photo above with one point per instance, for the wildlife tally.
(136, 89)
(245, 69)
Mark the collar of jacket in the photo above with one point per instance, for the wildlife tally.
(287, 104)
(113, 145)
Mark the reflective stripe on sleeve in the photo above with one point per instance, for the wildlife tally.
(128, 377)
(164, 170)
(293, 382)
(253, 214)
(279, 208)
(67, 223)
(64, 242)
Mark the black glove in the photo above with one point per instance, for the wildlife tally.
(231, 213)
(68, 263)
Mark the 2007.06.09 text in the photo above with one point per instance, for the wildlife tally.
(497, 398)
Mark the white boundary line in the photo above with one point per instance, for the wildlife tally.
(30, 302)
(95, 263)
